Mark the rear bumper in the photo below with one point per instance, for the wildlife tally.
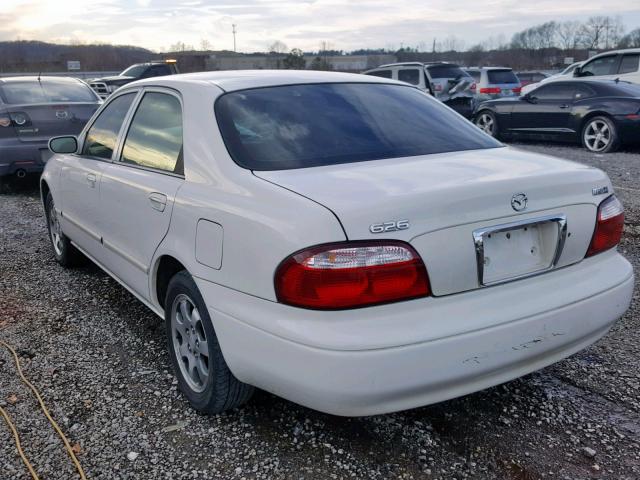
(17, 156)
(394, 357)
(629, 129)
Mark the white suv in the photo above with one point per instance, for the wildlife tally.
(622, 64)
(344, 241)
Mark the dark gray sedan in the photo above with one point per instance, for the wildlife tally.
(34, 109)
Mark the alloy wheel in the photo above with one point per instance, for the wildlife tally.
(597, 135)
(55, 230)
(485, 123)
(190, 343)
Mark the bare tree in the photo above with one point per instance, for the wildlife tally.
(630, 40)
(180, 47)
(568, 34)
(205, 45)
(278, 47)
(452, 44)
(601, 32)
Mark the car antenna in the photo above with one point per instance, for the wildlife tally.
(617, 80)
(39, 73)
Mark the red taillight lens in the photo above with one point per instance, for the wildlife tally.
(351, 274)
(609, 226)
(490, 90)
(474, 86)
(517, 90)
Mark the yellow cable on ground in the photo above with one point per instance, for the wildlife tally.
(12, 427)
(53, 423)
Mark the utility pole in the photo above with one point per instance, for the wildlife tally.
(233, 29)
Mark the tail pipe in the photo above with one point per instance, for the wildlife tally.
(21, 173)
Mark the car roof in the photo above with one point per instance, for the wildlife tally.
(34, 78)
(622, 50)
(233, 80)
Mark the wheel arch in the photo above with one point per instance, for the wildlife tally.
(590, 115)
(165, 267)
(44, 191)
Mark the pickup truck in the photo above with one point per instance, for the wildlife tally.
(107, 85)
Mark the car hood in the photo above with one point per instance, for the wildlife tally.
(115, 79)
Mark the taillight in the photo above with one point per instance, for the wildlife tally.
(437, 87)
(5, 121)
(351, 274)
(20, 119)
(490, 90)
(474, 86)
(609, 226)
(517, 90)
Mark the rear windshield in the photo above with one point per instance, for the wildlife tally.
(446, 71)
(45, 91)
(299, 126)
(502, 76)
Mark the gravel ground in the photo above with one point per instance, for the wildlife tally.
(98, 357)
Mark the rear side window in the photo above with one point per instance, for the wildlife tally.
(445, 71)
(502, 76)
(475, 74)
(600, 66)
(630, 63)
(103, 134)
(272, 128)
(154, 139)
(409, 75)
(381, 73)
(157, 71)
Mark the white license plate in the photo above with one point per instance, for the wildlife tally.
(507, 252)
(506, 91)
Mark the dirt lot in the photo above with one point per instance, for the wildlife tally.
(98, 356)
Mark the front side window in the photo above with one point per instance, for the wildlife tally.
(600, 66)
(272, 128)
(554, 92)
(409, 75)
(102, 136)
(154, 139)
(630, 63)
(381, 73)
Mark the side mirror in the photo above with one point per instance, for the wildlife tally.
(68, 144)
(577, 72)
(529, 98)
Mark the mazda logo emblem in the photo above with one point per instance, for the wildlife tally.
(519, 202)
(62, 114)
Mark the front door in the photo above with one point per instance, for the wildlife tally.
(139, 188)
(81, 175)
(545, 112)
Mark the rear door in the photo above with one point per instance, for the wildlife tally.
(138, 190)
(81, 174)
(548, 112)
(629, 68)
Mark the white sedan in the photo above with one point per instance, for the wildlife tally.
(343, 241)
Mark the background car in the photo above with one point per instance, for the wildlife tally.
(527, 78)
(357, 250)
(599, 113)
(565, 74)
(617, 64)
(494, 82)
(446, 81)
(107, 85)
(34, 109)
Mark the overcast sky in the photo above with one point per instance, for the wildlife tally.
(346, 25)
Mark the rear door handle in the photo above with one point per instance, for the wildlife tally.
(158, 201)
(91, 180)
(564, 106)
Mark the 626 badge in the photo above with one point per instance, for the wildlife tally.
(389, 226)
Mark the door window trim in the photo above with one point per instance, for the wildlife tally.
(117, 152)
(616, 67)
(83, 134)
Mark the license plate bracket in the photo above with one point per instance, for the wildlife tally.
(520, 249)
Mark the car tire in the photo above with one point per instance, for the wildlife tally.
(486, 121)
(64, 252)
(203, 374)
(600, 135)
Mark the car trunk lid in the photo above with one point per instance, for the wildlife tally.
(49, 120)
(448, 197)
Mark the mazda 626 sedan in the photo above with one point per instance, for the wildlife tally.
(343, 241)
